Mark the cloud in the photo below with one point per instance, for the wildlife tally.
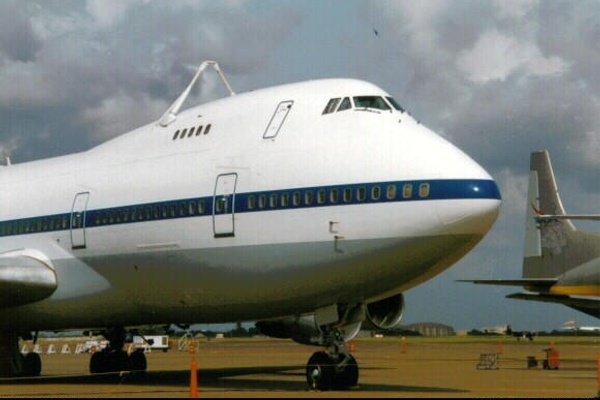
(120, 113)
(496, 56)
(515, 9)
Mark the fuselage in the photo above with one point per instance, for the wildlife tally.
(258, 205)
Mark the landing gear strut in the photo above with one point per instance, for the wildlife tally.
(12, 362)
(335, 368)
(113, 358)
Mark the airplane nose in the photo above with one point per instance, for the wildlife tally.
(468, 216)
(475, 206)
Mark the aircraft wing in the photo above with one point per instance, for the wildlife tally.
(24, 279)
(592, 217)
(533, 285)
(585, 305)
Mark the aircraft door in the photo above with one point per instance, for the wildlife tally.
(78, 220)
(224, 205)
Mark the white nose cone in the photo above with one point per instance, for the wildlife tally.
(476, 204)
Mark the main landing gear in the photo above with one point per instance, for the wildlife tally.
(335, 368)
(12, 362)
(113, 358)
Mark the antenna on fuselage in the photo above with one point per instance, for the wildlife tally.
(171, 114)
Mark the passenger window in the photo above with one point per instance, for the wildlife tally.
(201, 207)
(321, 196)
(183, 134)
(191, 208)
(391, 192)
(308, 197)
(346, 104)
(333, 196)
(375, 193)
(191, 131)
(361, 194)
(407, 191)
(285, 200)
(176, 134)
(273, 200)
(424, 190)
(347, 195)
(199, 130)
(207, 129)
(262, 201)
(331, 106)
(296, 199)
(251, 202)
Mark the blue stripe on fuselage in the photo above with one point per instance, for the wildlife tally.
(320, 196)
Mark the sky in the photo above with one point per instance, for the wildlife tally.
(498, 78)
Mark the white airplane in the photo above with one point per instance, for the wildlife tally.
(308, 207)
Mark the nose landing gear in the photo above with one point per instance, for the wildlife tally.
(335, 368)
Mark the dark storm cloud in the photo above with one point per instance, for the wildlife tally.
(17, 40)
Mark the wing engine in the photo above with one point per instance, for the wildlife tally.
(345, 321)
(26, 276)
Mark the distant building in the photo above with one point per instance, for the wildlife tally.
(431, 329)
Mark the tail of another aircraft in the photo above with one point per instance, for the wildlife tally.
(553, 245)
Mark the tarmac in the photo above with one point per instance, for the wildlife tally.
(459, 367)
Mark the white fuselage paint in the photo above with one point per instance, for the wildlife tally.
(274, 262)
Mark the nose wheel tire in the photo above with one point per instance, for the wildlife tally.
(319, 371)
(323, 373)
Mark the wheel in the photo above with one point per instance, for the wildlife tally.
(119, 361)
(137, 361)
(347, 376)
(32, 364)
(98, 362)
(320, 371)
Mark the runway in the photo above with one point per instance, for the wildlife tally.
(424, 367)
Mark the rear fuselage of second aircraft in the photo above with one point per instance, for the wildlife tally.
(258, 205)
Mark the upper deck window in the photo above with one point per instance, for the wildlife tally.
(374, 102)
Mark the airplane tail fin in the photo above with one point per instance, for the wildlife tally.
(553, 245)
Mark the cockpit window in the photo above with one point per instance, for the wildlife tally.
(331, 105)
(374, 102)
(361, 103)
(346, 104)
(395, 104)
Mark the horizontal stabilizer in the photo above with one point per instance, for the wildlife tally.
(588, 306)
(24, 280)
